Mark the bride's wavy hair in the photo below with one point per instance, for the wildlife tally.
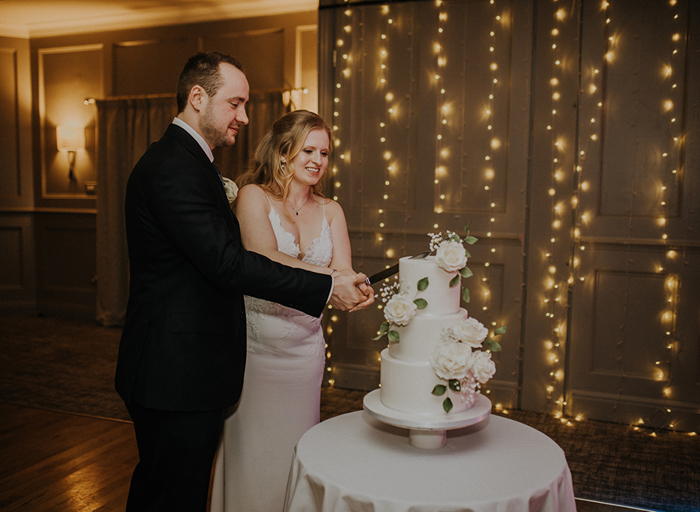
(285, 140)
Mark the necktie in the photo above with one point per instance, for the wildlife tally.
(218, 172)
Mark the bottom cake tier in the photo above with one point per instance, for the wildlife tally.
(407, 387)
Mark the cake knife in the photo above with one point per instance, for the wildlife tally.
(380, 276)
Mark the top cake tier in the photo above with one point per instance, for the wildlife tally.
(441, 298)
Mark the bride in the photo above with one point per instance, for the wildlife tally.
(283, 216)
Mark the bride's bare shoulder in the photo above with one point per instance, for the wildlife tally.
(251, 198)
(333, 208)
(252, 189)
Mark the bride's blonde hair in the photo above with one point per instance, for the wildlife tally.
(285, 140)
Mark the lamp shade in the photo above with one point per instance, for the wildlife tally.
(70, 138)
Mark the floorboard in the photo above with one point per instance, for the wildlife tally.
(62, 462)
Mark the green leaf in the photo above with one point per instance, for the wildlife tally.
(465, 295)
(423, 284)
(455, 238)
(393, 336)
(471, 240)
(421, 303)
(439, 390)
(500, 330)
(447, 404)
(467, 253)
(454, 385)
(466, 272)
(454, 281)
(382, 330)
(491, 345)
(466, 228)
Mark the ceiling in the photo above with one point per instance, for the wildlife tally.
(39, 18)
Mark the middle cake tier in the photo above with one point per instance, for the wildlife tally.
(418, 339)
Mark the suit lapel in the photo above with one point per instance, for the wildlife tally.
(193, 147)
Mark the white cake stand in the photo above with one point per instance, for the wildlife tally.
(427, 432)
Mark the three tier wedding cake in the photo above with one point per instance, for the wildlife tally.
(438, 356)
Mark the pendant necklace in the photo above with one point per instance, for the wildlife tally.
(302, 206)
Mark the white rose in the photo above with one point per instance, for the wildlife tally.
(399, 310)
(231, 189)
(448, 334)
(470, 331)
(451, 256)
(483, 367)
(451, 360)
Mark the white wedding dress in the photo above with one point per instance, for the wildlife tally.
(281, 394)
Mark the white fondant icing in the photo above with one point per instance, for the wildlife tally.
(407, 377)
(417, 340)
(442, 299)
(407, 387)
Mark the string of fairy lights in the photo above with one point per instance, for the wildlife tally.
(671, 174)
(343, 62)
(390, 165)
(568, 191)
(442, 110)
(554, 306)
(490, 173)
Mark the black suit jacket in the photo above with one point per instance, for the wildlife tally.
(184, 340)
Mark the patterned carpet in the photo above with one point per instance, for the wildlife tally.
(69, 366)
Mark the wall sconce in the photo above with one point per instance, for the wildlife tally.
(70, 139)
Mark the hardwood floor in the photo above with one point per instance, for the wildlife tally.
(63, 462)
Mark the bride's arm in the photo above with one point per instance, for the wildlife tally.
(342, 253)
(252, 211)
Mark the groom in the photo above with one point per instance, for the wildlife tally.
(182, 351)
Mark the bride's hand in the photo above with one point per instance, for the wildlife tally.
(367, 291)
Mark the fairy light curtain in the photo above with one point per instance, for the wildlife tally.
(420, 120)
(635, 241)
(565, 133)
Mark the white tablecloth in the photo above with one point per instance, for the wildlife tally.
(356, 463)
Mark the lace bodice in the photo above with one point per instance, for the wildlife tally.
(320, 253)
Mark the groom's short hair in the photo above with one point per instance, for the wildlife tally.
(202, 69)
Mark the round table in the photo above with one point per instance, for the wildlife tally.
(355, 463)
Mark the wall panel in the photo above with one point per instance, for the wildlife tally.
(44, 82)
(67, 76)
(568, 137)
(66, 248)
(17, 267)
(10, 177)
(423, 115)
(11, 259)
(151, 66)
(260, 51)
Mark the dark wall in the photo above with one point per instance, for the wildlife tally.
(47, 219)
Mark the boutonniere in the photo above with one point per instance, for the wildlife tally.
(231, 189)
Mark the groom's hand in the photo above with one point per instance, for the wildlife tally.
(368, 292)
(350, 291)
